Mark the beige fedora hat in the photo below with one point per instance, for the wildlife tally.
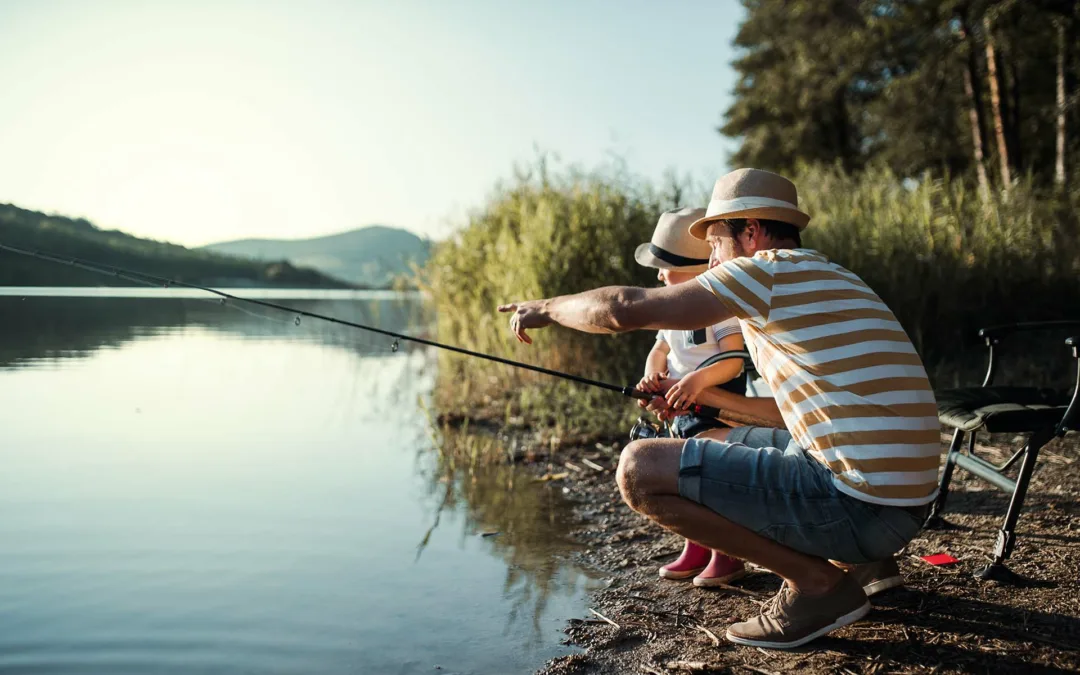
(672, 247)
(752, 193)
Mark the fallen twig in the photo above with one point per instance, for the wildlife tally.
(592, 465)
(752, 594)
(635, 596)
(1046, 640)
(553, 476)
(573, 467)
(758, 670)
(663, 554)
(586, 622)
(687, 665)
(604, 618)
(712, 636)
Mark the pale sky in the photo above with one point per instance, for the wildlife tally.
(195, 121)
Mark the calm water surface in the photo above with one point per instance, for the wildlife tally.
(191, 488)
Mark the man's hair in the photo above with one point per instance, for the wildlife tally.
(776, 229)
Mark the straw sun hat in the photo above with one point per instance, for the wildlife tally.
(752, 193)
(672, 247)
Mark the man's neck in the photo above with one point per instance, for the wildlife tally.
(778, 244)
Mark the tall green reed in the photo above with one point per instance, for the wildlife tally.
(945, 261)
(538, 236)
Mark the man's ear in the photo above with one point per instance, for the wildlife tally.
(753, 232)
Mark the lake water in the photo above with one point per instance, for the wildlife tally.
(191, 488)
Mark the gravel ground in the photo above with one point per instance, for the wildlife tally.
(943, 621)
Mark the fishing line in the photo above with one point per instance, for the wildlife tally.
(143, 278)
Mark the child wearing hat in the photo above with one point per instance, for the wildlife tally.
(687, 356)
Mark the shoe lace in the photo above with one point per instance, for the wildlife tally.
(772, 606)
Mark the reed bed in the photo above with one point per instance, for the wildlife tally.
(946, 260)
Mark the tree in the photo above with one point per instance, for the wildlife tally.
(973, 100)
(939, 86)
(799, 88)
(993, 79)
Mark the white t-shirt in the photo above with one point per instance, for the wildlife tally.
(688, 348)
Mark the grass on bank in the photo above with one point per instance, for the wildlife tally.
(945, 261)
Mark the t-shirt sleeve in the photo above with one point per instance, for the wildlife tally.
(726, 328)
(744, 285)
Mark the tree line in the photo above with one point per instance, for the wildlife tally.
(980, 88)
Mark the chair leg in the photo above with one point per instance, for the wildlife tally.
(934, 520)
(1006, 538)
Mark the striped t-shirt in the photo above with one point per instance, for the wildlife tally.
(850, 386)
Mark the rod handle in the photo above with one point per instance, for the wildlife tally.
(701, 410)
(705, 411)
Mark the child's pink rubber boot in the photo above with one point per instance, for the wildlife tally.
(693, 560)
(722, 569)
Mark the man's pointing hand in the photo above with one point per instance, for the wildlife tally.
(526, 315)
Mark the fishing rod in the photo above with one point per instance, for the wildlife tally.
(143, 278)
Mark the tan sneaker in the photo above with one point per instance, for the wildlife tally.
(876, 577)
(792, 619)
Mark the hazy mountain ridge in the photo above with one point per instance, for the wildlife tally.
(79, 238)
(371, 256)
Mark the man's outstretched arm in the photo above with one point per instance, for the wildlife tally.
(617, 309)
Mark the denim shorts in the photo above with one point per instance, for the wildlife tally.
(761, 479)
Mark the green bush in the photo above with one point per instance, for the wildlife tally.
(540, 236)
(944, 260)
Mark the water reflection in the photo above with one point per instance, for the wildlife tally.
(274, 530)
(525, 523)
(64, 327)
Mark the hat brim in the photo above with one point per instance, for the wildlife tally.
(645, 257)
(785, 215)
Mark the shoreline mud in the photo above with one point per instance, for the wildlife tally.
(943, 621)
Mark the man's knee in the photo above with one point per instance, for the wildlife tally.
(628, 473)
(647, 467)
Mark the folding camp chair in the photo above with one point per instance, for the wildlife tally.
(1038, 413)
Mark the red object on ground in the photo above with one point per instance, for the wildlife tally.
(939, 559)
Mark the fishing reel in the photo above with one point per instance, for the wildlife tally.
(646, 429)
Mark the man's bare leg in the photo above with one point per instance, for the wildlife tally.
(648, 477)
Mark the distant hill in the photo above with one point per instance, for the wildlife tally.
(369, 256)
(81, 239)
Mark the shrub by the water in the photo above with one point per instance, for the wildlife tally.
(945, 261)
(948, 262)
(539, 236)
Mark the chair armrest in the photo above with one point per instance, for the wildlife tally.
(997, 332)
(992, 336)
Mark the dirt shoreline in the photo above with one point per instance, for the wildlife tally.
(943, 621)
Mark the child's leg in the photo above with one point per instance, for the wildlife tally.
(721, 569)
(693, 560)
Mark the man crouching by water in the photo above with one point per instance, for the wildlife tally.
(851, 478)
